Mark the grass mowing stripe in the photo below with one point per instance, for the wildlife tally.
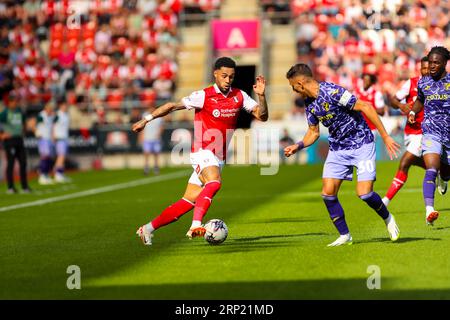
(95, 191)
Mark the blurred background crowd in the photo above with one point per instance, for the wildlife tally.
(345, 39)
(105, 59)
(109, 58)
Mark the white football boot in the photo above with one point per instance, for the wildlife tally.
(394, 231)
(60, 178)
(145, 236)
(45, 180)
(343, 239)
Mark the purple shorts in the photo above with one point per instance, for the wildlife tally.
(339, 164)
(151, 146)
(45, 148)
(430, 144)
(61, 147)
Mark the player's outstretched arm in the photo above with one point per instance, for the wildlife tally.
(396, 104)
(418, 105)
(261, 112)
(391, 146)
(310, 137)
(162, 111)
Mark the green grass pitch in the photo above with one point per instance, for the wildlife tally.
(276, 248)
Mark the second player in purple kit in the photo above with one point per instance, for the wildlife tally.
(351, 145)
(433, 94)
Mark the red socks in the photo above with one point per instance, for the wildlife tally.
(397, 184)
(204, 199)
(176, 210)
(172, 213)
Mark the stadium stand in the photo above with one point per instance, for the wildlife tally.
(105, 55)
(115, 55)
(344, 39)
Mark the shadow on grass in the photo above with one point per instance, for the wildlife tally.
(101, 238)
(401, 240)
(353, 288)
(441, 228)
(243, 244)
(278, 220)
(251, 239)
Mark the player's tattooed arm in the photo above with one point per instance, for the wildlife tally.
(310, 137)
(391, 146)
(418, 105)
(261, 112)
(161, 111)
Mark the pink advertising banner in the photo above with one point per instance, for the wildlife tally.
(235, 34)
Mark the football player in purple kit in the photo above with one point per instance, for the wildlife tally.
(351, 145)
(433, 94)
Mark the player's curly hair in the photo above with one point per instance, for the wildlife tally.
(440, 50)
(225, 62)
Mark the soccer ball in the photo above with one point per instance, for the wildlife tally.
(216, 231)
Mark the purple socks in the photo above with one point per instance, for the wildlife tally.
(374, 201)
(336, 213)
(429, 186)
(45, 166)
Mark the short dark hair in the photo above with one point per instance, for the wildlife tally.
(373, 77)
(424, 59)
(300, 69)
(225, 62)
(442, 51)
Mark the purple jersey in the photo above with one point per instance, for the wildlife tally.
(334, 109)
(435, 96)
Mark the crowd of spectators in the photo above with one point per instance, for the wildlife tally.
(107, 58)
(103, 57)
(387, 38)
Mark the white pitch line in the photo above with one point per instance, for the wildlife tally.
(91, 192)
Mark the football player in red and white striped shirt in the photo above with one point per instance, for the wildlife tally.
(413, 132)
(216, 112)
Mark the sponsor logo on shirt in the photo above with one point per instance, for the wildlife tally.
(225, 113)
(438, 97)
